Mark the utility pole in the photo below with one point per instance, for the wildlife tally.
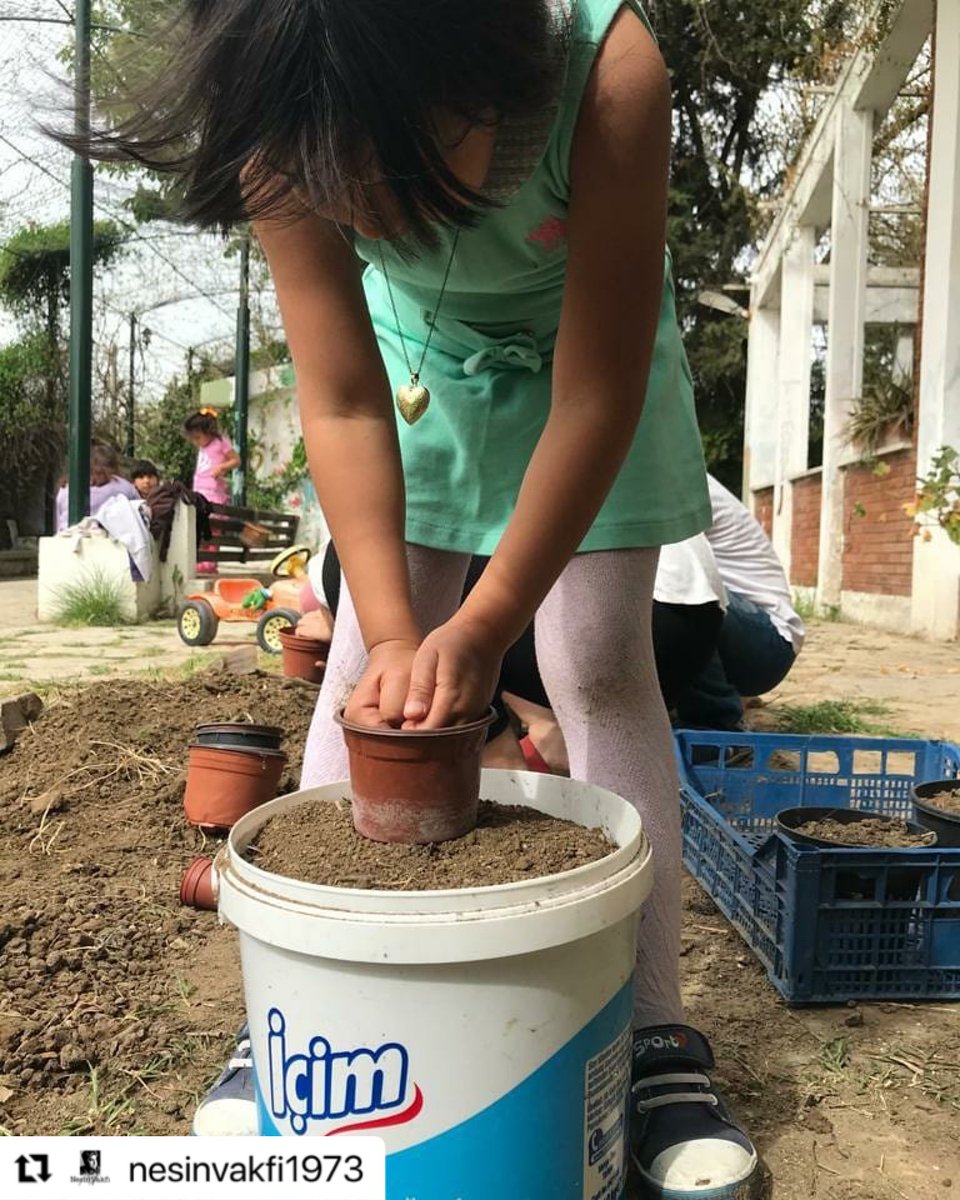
(242, 370)
(131, 437)
(81, 279)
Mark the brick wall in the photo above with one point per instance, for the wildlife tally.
(878, 536)
(763, 508)
(805, 534)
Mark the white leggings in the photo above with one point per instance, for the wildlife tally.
(595, 654)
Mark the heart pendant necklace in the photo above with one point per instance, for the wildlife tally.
(413, 398)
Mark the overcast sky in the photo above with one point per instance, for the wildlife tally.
(182, 272)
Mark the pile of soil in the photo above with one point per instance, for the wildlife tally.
(316, 842)
(881, 832)
(947, 801)
(95, 951)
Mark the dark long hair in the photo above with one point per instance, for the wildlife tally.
(202, 422)
(261, 97)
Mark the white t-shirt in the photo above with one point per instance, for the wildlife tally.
(748, 563)
(688, 574)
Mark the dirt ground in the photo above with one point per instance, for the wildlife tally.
(117, 1006)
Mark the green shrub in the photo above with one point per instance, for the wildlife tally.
(95, 600)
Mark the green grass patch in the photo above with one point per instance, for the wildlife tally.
(96, 600)
(837, 716)
(99, 669)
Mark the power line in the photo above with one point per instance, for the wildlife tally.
(135, 234)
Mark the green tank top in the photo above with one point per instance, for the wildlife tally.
(489, 363)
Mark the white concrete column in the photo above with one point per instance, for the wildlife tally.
(760, 417)
(849, 239)
(936, 564)
(178, 572)
(793, 382)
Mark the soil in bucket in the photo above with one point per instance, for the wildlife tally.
(317, 842)
(415, 785)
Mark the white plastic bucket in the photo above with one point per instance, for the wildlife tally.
(484, 1034)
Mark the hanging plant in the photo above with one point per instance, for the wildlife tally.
(886, 408)
(938, 497)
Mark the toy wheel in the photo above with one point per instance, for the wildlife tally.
(290, 561)
(197, 623)
(270, 626)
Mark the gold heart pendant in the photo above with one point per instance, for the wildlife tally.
(412, 401)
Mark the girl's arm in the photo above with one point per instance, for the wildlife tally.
(612, 298)
(230, 463)
(350, 435)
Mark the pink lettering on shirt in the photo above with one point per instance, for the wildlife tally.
(550, 234)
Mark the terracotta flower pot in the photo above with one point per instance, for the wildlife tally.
(223, 785)
(415, 786)
(304, 657)
(197, 887)
(238, 733)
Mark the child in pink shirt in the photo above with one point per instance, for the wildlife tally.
(216, 457)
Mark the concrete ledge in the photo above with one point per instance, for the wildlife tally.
(18, 564)
(882, 612)
(66, 561)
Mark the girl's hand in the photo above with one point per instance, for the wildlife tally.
(453, 676)
(378, 699)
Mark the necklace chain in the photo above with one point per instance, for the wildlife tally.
(415, 374)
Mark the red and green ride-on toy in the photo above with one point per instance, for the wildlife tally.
(274, 608)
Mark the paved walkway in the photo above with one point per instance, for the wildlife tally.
(32, 654)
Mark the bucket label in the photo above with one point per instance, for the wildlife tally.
(606, 1091)
(332, 1084)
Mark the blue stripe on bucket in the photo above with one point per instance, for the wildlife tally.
(529, 1143)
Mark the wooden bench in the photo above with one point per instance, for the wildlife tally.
(247, 535)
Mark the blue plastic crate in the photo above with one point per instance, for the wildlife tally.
(828, 925)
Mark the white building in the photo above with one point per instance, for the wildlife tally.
(840, 528)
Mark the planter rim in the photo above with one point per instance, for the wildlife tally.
(942, 785)
(259, 751)
(296, 639)
(239, 726)
(446, 731)
(854, 815)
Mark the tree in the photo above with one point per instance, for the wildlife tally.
(727, 60)
(35, 287)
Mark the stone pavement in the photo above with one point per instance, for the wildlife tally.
(41, 655)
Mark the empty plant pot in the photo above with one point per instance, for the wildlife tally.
(197, 888)
(225, 784)
(415, 786)
(238, 733)
(943, 821)
(304, 657)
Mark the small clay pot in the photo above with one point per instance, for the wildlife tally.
(415, 786)
(945, 824)
(304, 657)
(197, 886)
(238, 733)
(223, 785)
